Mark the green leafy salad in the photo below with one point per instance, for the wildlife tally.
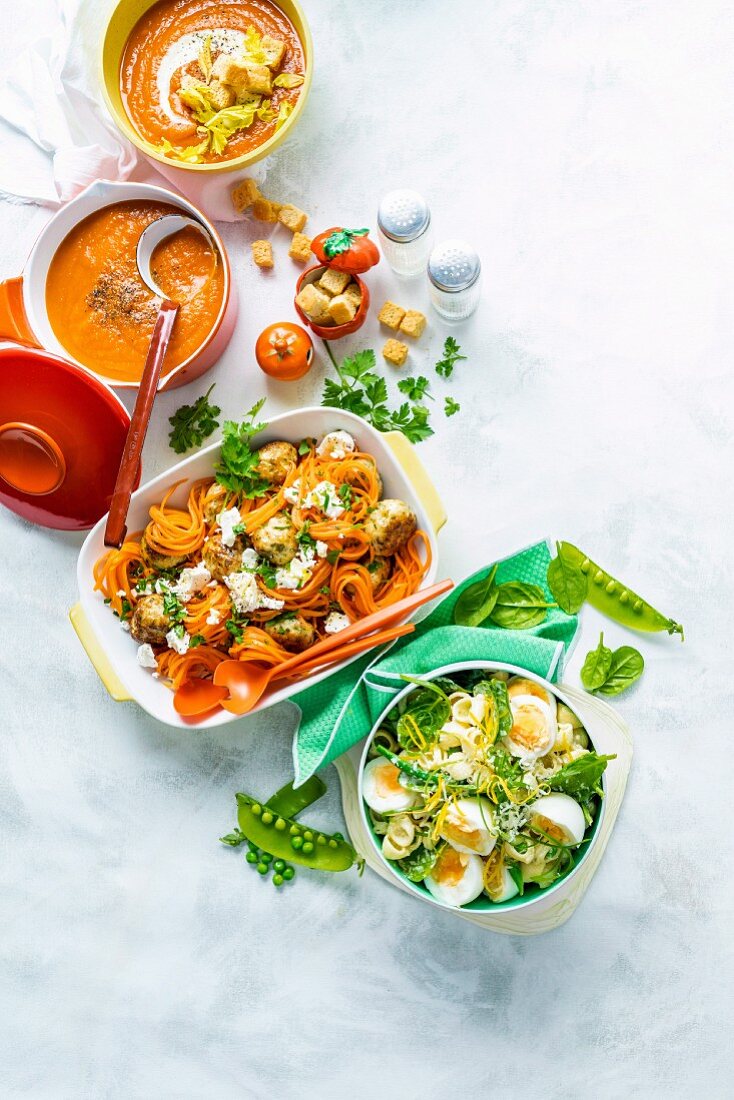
(482, 784)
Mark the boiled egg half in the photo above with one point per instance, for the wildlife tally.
(382, 790)
(456, 878)
(534, 722)
(560, 817)
(469, 826)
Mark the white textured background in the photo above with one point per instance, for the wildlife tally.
(586, 147)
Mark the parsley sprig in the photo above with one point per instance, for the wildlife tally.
(450, 406)
(361, 390)
(415, 389)
(237, 469)
(451, 356)
(192, 424)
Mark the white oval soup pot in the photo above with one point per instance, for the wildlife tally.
(482, 904)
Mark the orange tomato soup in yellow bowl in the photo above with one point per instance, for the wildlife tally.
(206, 84)
(100, 310)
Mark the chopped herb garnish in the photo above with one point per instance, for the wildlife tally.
(450, 406)
(197, 639)
(192, 424)
(451, 356)
(345, 495)
(415, 389)
(332, 557)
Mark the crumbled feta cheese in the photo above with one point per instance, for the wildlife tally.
(325, 497)
(146, 656)
(227, 521)
(191, 581)
(213, 618)
(125, 626)
(246, 596)
(335, 621)
(176, 642)
(121, 592)
(336, 444)
(162, 586)
(321, 548)
(293, 492)
(298, 570)
(250, 560)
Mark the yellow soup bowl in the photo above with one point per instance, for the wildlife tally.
(119, 27)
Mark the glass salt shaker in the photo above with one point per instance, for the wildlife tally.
(403, 226)
(454, 271)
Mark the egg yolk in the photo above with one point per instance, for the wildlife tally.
(527, 687)
(552, 829)
(449, 869)
(453, 830)
(386, 781)
(529, 727)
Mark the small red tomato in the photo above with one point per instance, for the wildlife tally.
(348, 250)
(284, 351)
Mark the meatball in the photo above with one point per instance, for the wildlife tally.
(276, 539)
(379, 570)
(159, 561)
(275, 461)
(149, 621)
(293, 632)
(216, 502)
(389, 526)
(222, 560)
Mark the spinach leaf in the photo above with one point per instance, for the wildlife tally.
(519, 606)
(496, 691)
(475, 604)
(419, 863)
(627, 666)
(581, 777)
(595, 668)
(567, 583)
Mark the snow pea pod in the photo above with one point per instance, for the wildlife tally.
(289, 801)
(614, 599)
(287, 839)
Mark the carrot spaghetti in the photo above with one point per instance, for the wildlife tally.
(267, 568)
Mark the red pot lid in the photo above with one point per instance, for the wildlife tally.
(348, 250)
(61, 438)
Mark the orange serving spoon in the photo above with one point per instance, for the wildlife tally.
(251, 680)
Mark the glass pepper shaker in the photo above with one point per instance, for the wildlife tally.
(403, 226)
(454, 271)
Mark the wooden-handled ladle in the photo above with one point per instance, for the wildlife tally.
(150, 238)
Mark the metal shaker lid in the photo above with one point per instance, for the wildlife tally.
(453, 266)
(403, 215)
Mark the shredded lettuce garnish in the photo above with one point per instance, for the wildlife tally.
(288, 80)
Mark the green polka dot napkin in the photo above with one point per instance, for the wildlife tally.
(341, 710)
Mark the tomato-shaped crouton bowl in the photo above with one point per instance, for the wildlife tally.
(331, 298)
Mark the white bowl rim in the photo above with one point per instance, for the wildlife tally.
(512, 905)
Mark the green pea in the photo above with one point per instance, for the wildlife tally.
(333, 843)
(307, 847)
(288, 873)
(624, 596)
(321, 839)
(598, 577)
(262, 868)
(252, 847)
(256, 809)
(297, 842)
(265, 857)
(252, 857)
(267, 818)
(277, 880)
(610, 586)
(279, 865)
(294, 830)
(308, 835)
(280, 824)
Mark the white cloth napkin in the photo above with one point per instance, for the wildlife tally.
(56, 135)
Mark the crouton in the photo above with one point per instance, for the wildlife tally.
(216, 94)
(342, 309)
(242, 76)
(262, 253)
(413, 323)
(395, 352)
(263, 210)
(315, 304)
(244, 195)
(333, 282)
(300, 248)
(292, 218)
(353, 292)
(273, 48)
(391, 315)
